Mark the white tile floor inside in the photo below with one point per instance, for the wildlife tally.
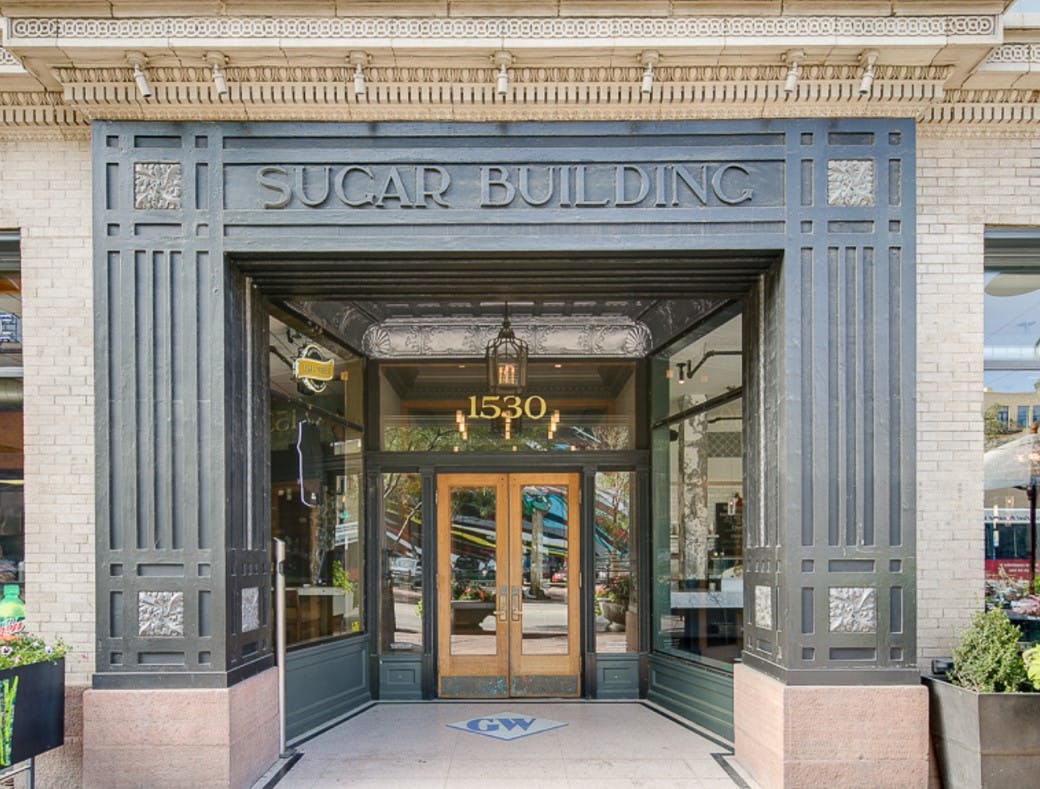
(602, 744)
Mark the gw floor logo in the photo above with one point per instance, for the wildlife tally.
(506, 725)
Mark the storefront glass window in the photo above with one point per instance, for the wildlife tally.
(316, 483)
(402, 527)
(12, 521)
(567, 406)
(1011, 407)
(698, 479)
(616, 568)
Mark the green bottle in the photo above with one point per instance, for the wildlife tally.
(12, 612)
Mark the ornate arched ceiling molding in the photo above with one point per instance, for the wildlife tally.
(555, 336)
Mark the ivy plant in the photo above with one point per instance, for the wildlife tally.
(987, 659)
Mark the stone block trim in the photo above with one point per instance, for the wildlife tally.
(811, 736)
(225, 737)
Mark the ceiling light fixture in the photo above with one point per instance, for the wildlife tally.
(359, 60)
(503, 60)
(218, 61)
(506, 359)
(648, 59)
(794, 71)
(867, 60)
(138, 61)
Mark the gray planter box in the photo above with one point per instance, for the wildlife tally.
(984, 739)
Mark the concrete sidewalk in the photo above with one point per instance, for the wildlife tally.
(555, 744)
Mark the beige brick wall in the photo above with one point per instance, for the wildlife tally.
(45, 194)
(965, 182)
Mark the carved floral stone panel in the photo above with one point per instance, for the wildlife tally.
(764, 607)
(158, 186)
(160, 614)
(250, 609)
(850, 182)
(853, 609)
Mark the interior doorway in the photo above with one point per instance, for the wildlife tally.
(507, 599)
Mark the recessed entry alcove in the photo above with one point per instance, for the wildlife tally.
(718, 410)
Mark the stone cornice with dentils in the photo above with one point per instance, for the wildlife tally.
(466, 91)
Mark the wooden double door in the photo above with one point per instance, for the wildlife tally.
(507, 585)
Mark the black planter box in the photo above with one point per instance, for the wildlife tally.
(39, 709)
(984, 739)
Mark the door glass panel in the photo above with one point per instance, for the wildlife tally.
(616, 629)
(474, 558)
(544, 547)
(402, 586)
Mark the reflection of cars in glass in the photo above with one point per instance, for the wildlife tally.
(467, 567)
(405, 569)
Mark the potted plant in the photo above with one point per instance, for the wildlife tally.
(613, 600)
(342, 581)
(32, 696)
(471, 603)
(984, 713)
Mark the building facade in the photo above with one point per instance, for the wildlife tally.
(258, 261)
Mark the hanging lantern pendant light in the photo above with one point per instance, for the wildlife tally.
(506, 359)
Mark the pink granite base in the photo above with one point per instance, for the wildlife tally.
(812, 736)
(64, 766)
(220, 737)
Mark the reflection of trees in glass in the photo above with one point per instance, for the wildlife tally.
(488, 435)
(402, 505)
(612, 514)
(608, 436)
(474, 502)
(418, 438)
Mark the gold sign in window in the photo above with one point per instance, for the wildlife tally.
(313, 369)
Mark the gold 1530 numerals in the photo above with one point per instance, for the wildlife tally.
(508, 406)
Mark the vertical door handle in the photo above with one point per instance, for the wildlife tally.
(516, 606)
(502, 610)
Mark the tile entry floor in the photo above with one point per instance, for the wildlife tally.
(604, 744)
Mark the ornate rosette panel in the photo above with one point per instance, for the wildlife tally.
(552, 337)
(160, 614)
(853, 609)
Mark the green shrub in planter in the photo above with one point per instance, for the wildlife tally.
(986, 659)
(983, 720)
(1032, 661)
